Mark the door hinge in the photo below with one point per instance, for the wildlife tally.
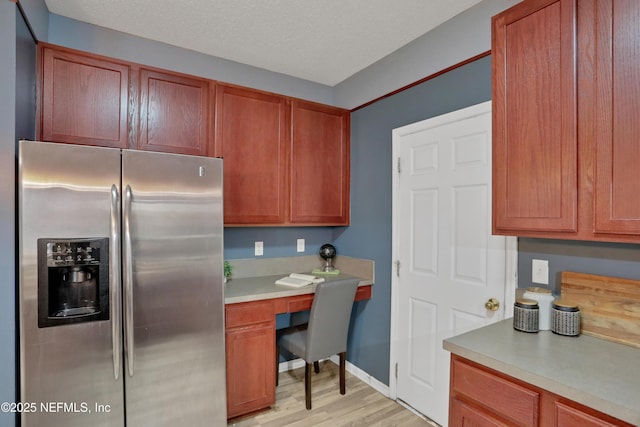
(396, 370)
(398, 164)
(397, 263)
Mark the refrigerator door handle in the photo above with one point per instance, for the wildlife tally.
(128, 281)
(114, 273)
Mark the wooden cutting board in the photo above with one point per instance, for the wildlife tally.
(609, 306)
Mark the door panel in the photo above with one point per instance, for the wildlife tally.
(175, 373)
(450, 264)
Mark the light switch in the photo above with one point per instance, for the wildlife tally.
(300, 245)
(259, 250)
(540, 271)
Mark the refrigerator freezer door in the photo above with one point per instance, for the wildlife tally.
(66, 371)
(174, 307)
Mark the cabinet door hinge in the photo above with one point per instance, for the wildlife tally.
(397, 263)
(398, 164)
(396, 370)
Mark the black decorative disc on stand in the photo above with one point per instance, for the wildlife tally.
(327, 253)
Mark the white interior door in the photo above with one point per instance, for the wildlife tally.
(449, 263)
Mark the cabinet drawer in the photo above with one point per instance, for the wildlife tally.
(568, 416)
(301, 303)
(499, 395)
(249, 313)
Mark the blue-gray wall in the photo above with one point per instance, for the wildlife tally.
(90, 38)
(17, 119)
(8, 352)
(278, 241)
(369, 235)
(606, 259)
(462, 37)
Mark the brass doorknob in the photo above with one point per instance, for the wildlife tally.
(493, 304)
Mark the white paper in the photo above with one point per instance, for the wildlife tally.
(298, 280)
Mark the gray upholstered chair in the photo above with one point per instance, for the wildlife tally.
(325, 334)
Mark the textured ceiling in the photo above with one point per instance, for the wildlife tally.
(324, 41)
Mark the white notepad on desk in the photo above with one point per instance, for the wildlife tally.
(298, 280)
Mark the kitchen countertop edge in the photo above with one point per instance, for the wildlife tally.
(263, 287)
(492, 347)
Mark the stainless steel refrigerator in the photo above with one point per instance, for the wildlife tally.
(121, 296)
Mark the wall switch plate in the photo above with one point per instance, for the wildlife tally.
(259, 251)
(300, 245)
(540, 271)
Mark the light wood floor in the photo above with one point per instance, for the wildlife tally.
(361, 406)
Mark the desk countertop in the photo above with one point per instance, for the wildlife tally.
(263, 287)
(597, 373)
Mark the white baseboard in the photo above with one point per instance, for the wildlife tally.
(378, 386)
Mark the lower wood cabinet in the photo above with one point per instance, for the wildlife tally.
(250, 341)
(482, 397)
(251, 349)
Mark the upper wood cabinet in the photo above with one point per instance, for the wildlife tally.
(566, 80)
(84, 99)
(253, 139)
(174, 113)
(320, 153)
(534, 129)
(92, 100)
(286, 161)
(617, 109)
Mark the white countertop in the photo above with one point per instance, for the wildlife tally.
(263, 287)
(600, 374)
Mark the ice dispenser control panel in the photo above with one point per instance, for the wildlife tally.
(73, 281)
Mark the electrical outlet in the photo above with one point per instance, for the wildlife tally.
(259, 250)
(540, 271)
(300, 245)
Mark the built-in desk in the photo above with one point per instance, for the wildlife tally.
(251, 305)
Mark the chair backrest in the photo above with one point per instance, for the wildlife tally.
(329, 318)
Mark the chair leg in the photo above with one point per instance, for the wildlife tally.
(277, 365)
(316, 366)
(307, 384)
(343, 388)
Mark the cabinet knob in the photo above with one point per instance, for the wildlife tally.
(492, 305)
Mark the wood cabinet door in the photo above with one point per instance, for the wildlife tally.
(617, 175)
(84, 99)
(534, 128)
(251, 368)
(251, 356)
(319, 164)
(174, 113)
(252, 138)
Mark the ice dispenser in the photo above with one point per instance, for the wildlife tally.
(73, 281)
